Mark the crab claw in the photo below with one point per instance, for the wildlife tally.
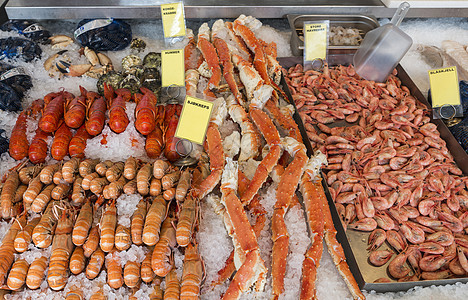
(60, 41)
(72, 70)
(48, 63)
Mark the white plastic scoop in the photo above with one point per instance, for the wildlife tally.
(383, 48)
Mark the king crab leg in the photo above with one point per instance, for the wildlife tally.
(285, 191)
(317, 208)
(252, 268)
(209, 53)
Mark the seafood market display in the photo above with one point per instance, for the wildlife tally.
(117, 223)
(94, 204)
(96, 218)
(389, 171)
(73, 120)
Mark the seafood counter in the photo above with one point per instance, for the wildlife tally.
(95, 204)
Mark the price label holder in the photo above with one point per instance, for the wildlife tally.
(173, 19)
(315, 44)
(445, 93)
(173, 75)
(194, 120)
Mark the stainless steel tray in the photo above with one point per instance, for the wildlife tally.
(354, 242)
(296, 22)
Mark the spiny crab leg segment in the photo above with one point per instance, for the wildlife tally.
(274, 68)
(215, 150)
(191, 54)
(250, 140)
(252, 268)
(316, 203)
(255, 86)
(256, 209)
(237, 43)
(335, 249)
(284, 120)
(211, 57)
(257, 48)
(285, 191)
(191, 82)
(310, 191)
(224, 53)
(271, 135)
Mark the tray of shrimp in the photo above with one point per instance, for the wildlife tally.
(346, 31)
(395, 179)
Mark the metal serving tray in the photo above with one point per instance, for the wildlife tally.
(354, 242)
(296, 22)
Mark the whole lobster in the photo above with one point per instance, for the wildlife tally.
(171, 118)
(145, 111)
(96, 113)
(54, 110)
(76, 110)
(78, 142)
(118, 119)
(38, 148)
(19, 144)
(62, 138)
(155, 140)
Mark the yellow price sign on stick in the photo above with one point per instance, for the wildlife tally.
(194, 119)
(173, 19)
(444, 87)
(315, 41)
(172, 68)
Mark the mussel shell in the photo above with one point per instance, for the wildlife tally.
(130, 61)
(130, 83)
(18, 47)
(112, 78)
(151, 79)
(9, 99)
(3, 142)
(152, 60)
(20, 83)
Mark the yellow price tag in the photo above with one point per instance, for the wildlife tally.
(194, 120)
(172, 15)
(172, 68)
(315, 41)
(444, 87)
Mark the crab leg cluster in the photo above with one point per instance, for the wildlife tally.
(249, 95)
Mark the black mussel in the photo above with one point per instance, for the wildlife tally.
(104, 34)
(16, 78)
(152, 60)
(9, 99)
(27, 28)
(18, 47)
(112, 78)
(130, 83)
(151, 79)
(138, 44)
(3, 142)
